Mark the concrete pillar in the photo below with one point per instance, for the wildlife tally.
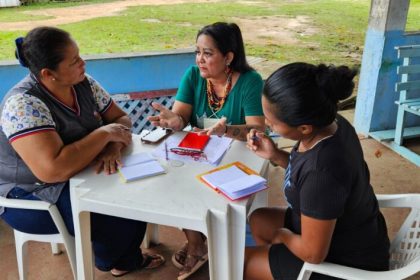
(375, 107)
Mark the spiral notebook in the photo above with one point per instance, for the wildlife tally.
(139, 166)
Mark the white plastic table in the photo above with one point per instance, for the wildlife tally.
(176, 199)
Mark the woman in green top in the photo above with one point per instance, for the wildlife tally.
(221, 95)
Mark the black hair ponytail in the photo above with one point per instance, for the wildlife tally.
(307, 94)
(19, 52)
(43, 47)
(336, 82)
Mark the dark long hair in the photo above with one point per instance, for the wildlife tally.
(303, 93)
(43, 47)
(228, 38)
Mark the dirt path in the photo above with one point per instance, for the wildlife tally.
(256, 30)
(85, 12)
(275, 29)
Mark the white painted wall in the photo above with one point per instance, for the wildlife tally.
(9, 3)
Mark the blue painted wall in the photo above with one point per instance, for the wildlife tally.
(376, 109)
(10, 74)
(120, 73)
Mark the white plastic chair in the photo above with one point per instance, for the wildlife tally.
(404, 250)
(22, 238)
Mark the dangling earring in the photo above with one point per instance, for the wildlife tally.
(227, 69)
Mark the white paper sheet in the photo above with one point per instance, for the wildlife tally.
(214, 150)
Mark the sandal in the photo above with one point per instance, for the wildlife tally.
(192, 264)
(149, 261)
(178, 258)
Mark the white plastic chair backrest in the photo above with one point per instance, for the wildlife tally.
(405, 247)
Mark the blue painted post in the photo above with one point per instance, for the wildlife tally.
(375, 107)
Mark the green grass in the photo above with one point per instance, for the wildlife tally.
(132, 31)
(16, 14)
(341, 26)
(413, 17)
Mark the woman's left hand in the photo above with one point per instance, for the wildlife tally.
(109, 159)
(218, 128)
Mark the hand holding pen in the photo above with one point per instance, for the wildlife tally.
(261, 144)
(253, 137)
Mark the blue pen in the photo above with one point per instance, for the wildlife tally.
(255, 138)
(271, 135)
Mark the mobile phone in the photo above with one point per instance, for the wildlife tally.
(156, 135)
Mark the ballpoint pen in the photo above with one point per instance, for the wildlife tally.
(254, 137)
(274, 135)
(166, 151)
(271, 135)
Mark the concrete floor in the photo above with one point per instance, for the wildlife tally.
(390, 174)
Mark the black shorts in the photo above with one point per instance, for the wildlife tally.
(283, 264)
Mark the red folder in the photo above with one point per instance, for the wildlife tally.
(194, 141)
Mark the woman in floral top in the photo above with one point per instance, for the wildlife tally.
(54, 123)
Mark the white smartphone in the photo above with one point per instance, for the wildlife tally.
(156, 135)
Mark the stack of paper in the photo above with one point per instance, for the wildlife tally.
(214, 150)
(139, 166)
(234, 181)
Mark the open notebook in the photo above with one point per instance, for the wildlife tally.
(234, 180)
(139, 166)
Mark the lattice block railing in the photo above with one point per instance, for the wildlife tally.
(139, 109)
(138, 104)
